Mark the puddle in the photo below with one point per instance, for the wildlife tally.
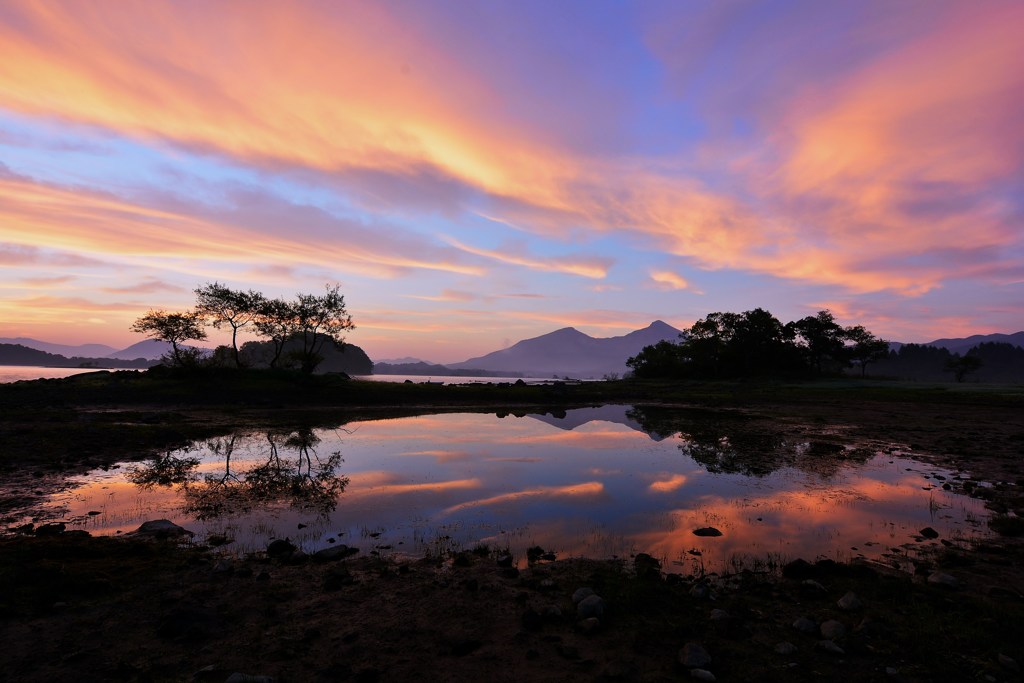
(599, 482)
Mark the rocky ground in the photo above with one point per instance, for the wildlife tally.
(75, 608)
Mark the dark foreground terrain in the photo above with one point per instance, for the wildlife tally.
(77, 608)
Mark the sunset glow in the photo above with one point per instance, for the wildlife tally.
(475, 174)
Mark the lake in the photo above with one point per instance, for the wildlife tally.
(597, 482)
(16, 373)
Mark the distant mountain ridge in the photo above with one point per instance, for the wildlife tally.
(67, 350)
(569, 352)
(964, 344)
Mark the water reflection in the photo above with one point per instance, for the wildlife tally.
(594, 483)
(304, 482)
(733, 442)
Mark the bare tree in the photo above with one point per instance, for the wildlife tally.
(223, 305)
(173, 328)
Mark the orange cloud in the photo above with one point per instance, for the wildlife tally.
(593, 268)
(66, 218)
(669, 280)
(855, 182)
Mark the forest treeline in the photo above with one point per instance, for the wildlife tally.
(301, 333)
(725, 345)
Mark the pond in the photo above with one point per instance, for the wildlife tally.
(594, 482)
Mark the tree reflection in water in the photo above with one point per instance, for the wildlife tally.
(739, 443)
(292, 474)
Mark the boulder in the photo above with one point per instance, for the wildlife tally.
(162, 529)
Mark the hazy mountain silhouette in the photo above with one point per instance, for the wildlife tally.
(82, 350)
(149, 348)
(17, 354)
(964, 344)
(570, 352)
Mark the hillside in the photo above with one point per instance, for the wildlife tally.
(569, 352)
(16, 354)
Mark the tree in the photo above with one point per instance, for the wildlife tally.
(961, 366)
(663, 359)
(173, 328)
(822, 339)
(274, 320)
(866, 347)
(223, 305)
(317, 320)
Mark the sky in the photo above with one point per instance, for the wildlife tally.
(476, 173)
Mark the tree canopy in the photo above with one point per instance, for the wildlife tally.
(303, 326)
(174, 328)
(755, 342)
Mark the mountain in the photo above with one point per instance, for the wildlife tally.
(569, 352)
(407, 360)
(16, 354)
(81, 350)
(964, 344)
(424, 369)
(149, 348)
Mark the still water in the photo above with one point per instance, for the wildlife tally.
(15, 373)
(596, 482)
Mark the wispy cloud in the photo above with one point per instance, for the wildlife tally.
(593, 267)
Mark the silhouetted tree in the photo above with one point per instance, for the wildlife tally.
(865, 348)
(821, 339)
(223, 305)
(663, 359)
(318, 320)
(275, 321)
(961, 366)
(173, 328)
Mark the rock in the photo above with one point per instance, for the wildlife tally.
(799, 569)
(1008, 663)
(805, 625)
(702, 675)
(588, 626)
(646, 567)
(719, 615)
(929, 532)
(812, 587)
(280, 548)
(215, 540)
(832, 629)
(334, 553)
(702, 591)
(590, 606)
(943, 580)
(581, 594)
(785, 648)
(830, 647)
(161, 529)
(504, 560)
(223, 567)
(248, 678)
(707, 531)
(51, 529)
(297, 556)
(850, 602)
(337, 578)
(694, 656)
